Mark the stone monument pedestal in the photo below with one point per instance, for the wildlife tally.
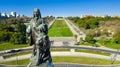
(41, 65)
(34, 62)
(46, 64)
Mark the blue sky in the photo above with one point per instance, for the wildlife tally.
(62, 7)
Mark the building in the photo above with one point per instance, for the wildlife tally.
(18, 15)
(13, 14)
(3, 15)
(0, 15)
(8, 15)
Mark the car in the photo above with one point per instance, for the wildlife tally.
(12, 51)
(18, 50)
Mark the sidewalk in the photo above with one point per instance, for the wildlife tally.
(75, 30)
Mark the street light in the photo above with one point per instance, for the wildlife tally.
(96, 32)
(17, 59)
(95, 44)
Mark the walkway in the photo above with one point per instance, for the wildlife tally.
(75, 30)
(50, 23)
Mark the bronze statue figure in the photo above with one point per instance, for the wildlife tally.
(38, 31)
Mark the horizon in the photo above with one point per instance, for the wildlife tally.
(62, 8)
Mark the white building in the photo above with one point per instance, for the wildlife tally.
(13, 14)
(8, 15)
(18, 15)
(3, 15)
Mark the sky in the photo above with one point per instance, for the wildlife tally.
(62, 7)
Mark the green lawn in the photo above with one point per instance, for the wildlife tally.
(7, 46)
(109, 44)
(93, 52)
(80, 60)
(59, 29)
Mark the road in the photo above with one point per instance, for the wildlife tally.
(76, 53)
(75, 30)
(99, 49)
(62, 41)
(73, 54)
(67, 65)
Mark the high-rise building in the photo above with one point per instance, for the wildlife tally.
(8, 15)
(3, 15)
(0, 15)
(13, 14)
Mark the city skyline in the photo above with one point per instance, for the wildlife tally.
(12, 14)
(62, 7)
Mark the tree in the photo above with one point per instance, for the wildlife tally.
(117, 39)
(81, 40)
(87, 26)
(97, 24)
(75, 36)
(107, 17)
(5, 36)
(89, 38)
(18, 38)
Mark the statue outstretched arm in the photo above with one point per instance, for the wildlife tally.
(28, 29)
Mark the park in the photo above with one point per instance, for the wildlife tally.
(59, 29)
(60, 33)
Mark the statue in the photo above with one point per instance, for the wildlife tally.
(38, 31)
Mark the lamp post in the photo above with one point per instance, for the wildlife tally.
(17, 59)
(96, 32)
(95, 43)
(75, 36)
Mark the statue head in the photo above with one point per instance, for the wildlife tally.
(36, 13)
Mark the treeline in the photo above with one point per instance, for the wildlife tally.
(98, 28)
(47, 19)
(90, 22)
(13, 30)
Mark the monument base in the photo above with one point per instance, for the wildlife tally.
(46, 64)
(41, 65)
(33, 63)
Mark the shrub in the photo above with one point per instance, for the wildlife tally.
(117, 39)
(89, 38)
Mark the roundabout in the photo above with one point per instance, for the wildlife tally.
(66, 65)
(70, 54)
